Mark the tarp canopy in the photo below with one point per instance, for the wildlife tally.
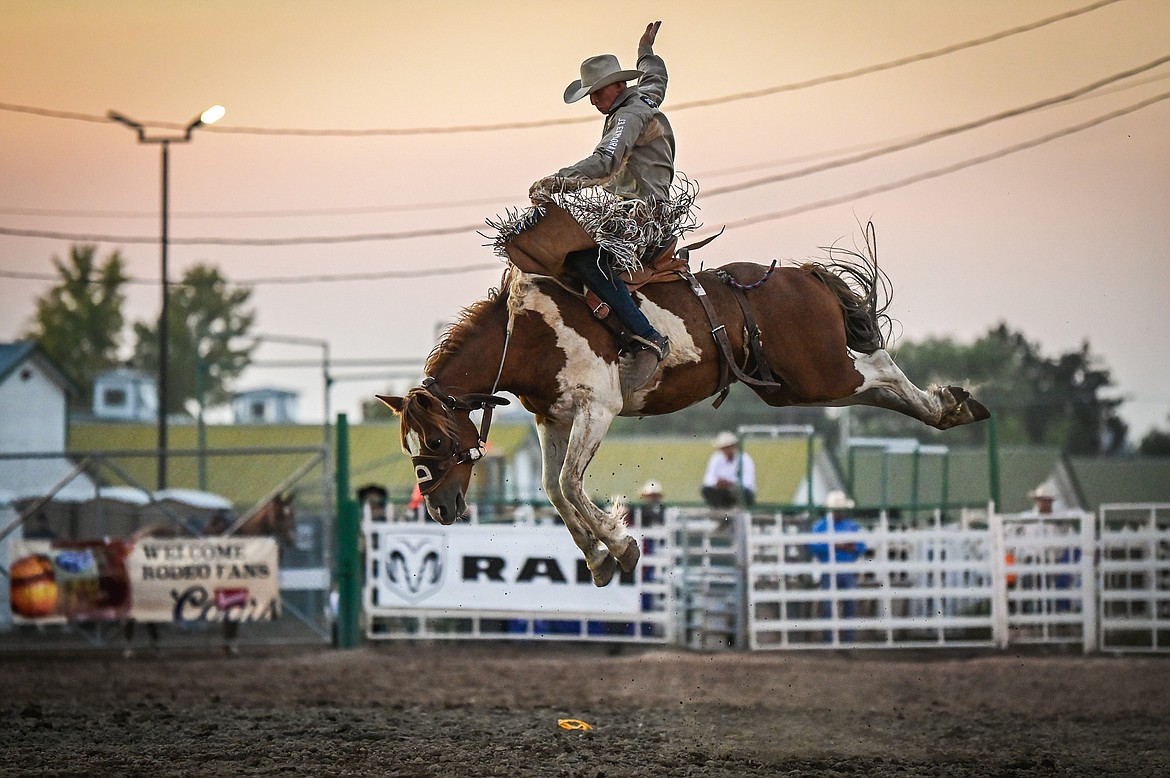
(24, 479)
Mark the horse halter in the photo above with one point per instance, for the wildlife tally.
(430, 470)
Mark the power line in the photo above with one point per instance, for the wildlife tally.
(303, 279)
(499, 200)
(536, 123)
(938, 134)
(937, 172)
(899, 184)
(253, 214)
(214, 241)
(441, 231)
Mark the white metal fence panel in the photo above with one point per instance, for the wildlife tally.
(1134, 577)
(708, 577)
(1051, 589)
(913, 587)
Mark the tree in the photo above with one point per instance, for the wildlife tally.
(206, 319)
(1156, 443)
(79, 321)
(1035, 399)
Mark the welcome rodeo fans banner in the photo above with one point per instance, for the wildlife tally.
(181, 579)
(487, 568)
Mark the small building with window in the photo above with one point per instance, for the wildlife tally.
(265, 406)
(125, 395)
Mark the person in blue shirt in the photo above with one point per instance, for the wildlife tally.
(836, 522)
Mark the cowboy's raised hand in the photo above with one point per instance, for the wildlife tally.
(651, 33)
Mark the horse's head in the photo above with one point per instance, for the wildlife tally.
(276, 519)
(283, 519)
(443, 443)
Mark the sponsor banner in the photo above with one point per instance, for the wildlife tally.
(488, 568)
(85, 581)
(204, 579)
(183, 579)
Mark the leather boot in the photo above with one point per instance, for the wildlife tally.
(639, 366)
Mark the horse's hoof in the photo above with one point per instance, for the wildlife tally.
(604, 573)
(629, 558)
(959, 394)
(978, 411)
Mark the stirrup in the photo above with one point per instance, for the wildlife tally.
(661, 349)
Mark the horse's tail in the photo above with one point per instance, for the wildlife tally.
(862, 289)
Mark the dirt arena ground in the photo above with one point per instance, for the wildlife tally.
(484, 710)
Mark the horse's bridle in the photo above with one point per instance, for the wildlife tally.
(430, 470)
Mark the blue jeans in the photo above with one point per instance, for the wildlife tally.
(594, 267)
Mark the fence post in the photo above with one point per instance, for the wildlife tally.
(1089, 589)
(993, 482)
(743, 527)
(346, 573)
(1000, 630)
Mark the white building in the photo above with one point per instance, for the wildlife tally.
(34, 422)
(265, 406)
(125, 395)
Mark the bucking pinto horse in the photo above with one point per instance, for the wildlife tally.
(796, 335)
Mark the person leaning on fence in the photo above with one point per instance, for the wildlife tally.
(835, 521)
(730, 478)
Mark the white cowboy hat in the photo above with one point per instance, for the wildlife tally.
(598, 72)
(651, 487)
(725, 439)
(836, 500)
(1043, 492)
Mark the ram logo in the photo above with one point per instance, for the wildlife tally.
(415, 565)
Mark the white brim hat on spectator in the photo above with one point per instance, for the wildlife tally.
(837, 500)
(725, 439)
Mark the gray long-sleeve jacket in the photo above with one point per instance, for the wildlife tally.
(635, 157)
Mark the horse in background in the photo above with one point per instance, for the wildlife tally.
(806, 335)
(275, 518)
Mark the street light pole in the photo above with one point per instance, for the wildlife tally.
(210, 116)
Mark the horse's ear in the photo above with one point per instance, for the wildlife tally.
(394, 403)
(478, 399)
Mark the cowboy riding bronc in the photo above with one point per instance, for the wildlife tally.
(614, 210)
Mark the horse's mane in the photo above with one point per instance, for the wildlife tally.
(421, 410)
(466, 324)
(863, 290)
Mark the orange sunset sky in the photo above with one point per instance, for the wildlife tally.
(1066, 241)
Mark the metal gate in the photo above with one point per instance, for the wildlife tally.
(1134, 577)
(103, 496)
(983, 581)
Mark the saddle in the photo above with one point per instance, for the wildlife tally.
(542, 248)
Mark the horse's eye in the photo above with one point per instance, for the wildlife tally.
(434, 444)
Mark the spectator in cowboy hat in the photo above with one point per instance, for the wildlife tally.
(730, 478)
(1044, 496)
(652, 510)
